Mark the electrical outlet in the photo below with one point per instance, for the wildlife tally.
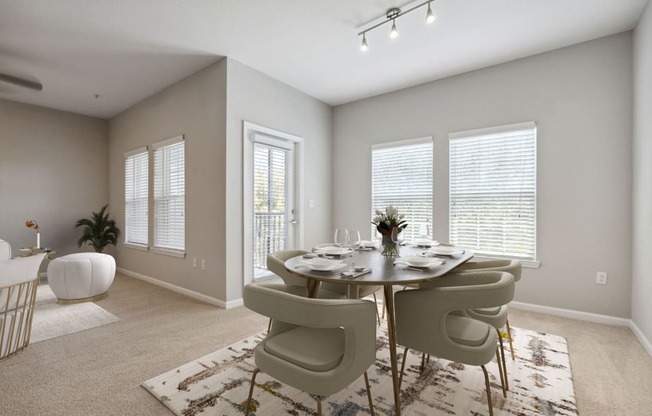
(601, 278)
(194, 262)
(203, 264)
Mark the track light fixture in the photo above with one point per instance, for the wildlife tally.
(393, 14)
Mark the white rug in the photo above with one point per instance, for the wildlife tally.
(218, 384)
(52, 320)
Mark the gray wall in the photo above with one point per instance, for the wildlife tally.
(53, 169)
(257, 98)
(581, 99)
(642, 218)
(196, 108)
(209, 108)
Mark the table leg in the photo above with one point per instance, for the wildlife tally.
(313, 288)
(391, 340)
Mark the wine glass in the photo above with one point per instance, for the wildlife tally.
(398, 238)
(357, 241)
(341, 238)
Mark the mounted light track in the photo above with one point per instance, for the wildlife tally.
(21, 82)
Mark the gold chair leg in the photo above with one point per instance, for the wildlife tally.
(400, 377)
(377, 313)
(423, 361)
(511, 346)
(251, 389)
(269, 325)
(318, 398)
(371, 402)
(502, 356)
(500, 371)
(488, 388)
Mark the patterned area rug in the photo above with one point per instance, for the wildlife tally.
(540, 384)
(52, 320)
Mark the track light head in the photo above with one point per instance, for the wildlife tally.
(393, 33)
(364, 45)
(430, 16)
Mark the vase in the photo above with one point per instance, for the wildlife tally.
(390, 248)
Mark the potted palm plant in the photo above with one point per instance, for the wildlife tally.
(98, 231)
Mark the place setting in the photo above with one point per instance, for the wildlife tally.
(418, 263)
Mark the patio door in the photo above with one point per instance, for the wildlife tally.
(274, 220)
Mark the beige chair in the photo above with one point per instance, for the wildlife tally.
(5, 250)
(319, 346)
(497, 316)
(19, 281)
(426, 320)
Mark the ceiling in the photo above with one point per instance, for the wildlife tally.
(123, 51)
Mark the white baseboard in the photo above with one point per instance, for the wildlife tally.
(569, 313)
(590, 317)
(187, 292)
(641, 337)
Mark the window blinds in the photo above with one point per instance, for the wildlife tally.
(493, 191)
(169, 194)
(136, 196)
(401, 176)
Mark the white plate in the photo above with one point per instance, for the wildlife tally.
(417, 261)
(446, 250)
(369, 244)
(322, 265)
(425, 242)
(334, 251)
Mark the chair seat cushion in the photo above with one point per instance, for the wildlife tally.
(315, 349)
(467, 331)
(487, 311)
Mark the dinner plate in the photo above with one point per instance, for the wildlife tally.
(418, 261)
(368, 244)
(335, 251)
(425, 242)
(446, 250)
(322, 265)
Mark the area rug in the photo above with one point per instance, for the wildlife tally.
(218, 384)
(52, 320)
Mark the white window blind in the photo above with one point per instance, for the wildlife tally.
(271, 176)
(493, 191)
(169, 194)
(401, 176)
(136, 196)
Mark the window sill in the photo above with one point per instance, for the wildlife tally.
(526, 264)
(169, 252)
(134, 246)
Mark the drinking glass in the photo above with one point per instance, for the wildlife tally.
(357, 241)
(341, 238)
(397, 237)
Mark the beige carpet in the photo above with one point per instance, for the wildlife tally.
(52, 320)
(99, 372)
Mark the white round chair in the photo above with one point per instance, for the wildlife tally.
(81, 277)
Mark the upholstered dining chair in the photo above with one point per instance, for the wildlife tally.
(19, 281)
(319, 346)
(497, 316)
(426, 319)
(5, 250)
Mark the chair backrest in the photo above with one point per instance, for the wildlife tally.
(422, 314)
(357, 318)
(495, 265)
(276, 264)
(5, 250)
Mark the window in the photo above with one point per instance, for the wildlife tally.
(401, 175)
(493, 191)
(136, 196)
(169, 194)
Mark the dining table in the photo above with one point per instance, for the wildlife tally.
(375, 269)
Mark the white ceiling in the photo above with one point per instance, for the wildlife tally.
(127, 50)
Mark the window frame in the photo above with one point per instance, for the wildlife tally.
(495, 134)
(166, 176)
(134, 155)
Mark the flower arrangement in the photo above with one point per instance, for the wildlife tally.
(384, 222)
(34, 226)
